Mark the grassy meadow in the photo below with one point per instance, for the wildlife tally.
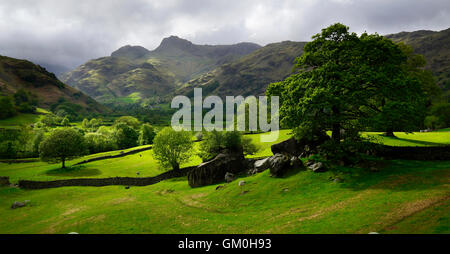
(401, 197)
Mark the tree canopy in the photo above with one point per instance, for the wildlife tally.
(346, 81)
(61, 145)
(172, 148)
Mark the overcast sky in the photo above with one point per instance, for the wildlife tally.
(70, 32)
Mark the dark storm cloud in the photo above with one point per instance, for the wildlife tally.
(68, 33)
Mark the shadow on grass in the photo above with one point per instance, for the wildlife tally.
(74, 171)
(418, 142)
(398, 175)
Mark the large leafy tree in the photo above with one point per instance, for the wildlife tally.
(344, 81)
(171, 148)
(61, 145)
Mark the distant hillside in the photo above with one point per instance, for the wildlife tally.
(251, 74)
(18, 74)
(435, 46)
(133, 72)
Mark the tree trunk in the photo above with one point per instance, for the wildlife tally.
(63, 162)
(336, 131)
(175, 166)
(389, 133)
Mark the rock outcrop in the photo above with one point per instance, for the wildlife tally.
(214, 171)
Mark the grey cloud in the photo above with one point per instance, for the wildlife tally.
(68, 33)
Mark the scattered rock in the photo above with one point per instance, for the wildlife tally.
(286, 190)
(262, 165)
(229, 177)
(241, 183)
(17, 204)
(374, 233)
(309, 163)
(318, 167)
(138, 173)
(219, 187)
(73, 233)
(279, 165)
(245, 192)
(128, 187)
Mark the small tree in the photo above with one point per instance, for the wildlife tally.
(62, 144)
(171, 148)
(147, 135)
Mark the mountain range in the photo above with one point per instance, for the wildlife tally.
(134, 73)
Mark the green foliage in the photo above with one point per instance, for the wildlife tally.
(346, 81)
(128, 120)
(65, 121)
(25, 101)
(97, 143)
(440, 116)
(7, 107)
(215, 142)
(51, 120)
(147, 134)
(172, 148)
(61, 145)
(125, 136)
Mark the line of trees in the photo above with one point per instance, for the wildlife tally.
(43, 138)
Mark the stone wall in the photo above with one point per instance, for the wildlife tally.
(114, 156)
(99, 182)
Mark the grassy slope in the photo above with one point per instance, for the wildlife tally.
(404, 197)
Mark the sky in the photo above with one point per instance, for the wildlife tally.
(62, 34)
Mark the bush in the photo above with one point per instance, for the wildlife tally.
(172, 148)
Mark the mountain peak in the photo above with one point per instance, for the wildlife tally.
(131, 52)
(174, 42)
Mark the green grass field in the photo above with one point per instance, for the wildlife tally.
(413, 139)
(19, 120)
(403, 197)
